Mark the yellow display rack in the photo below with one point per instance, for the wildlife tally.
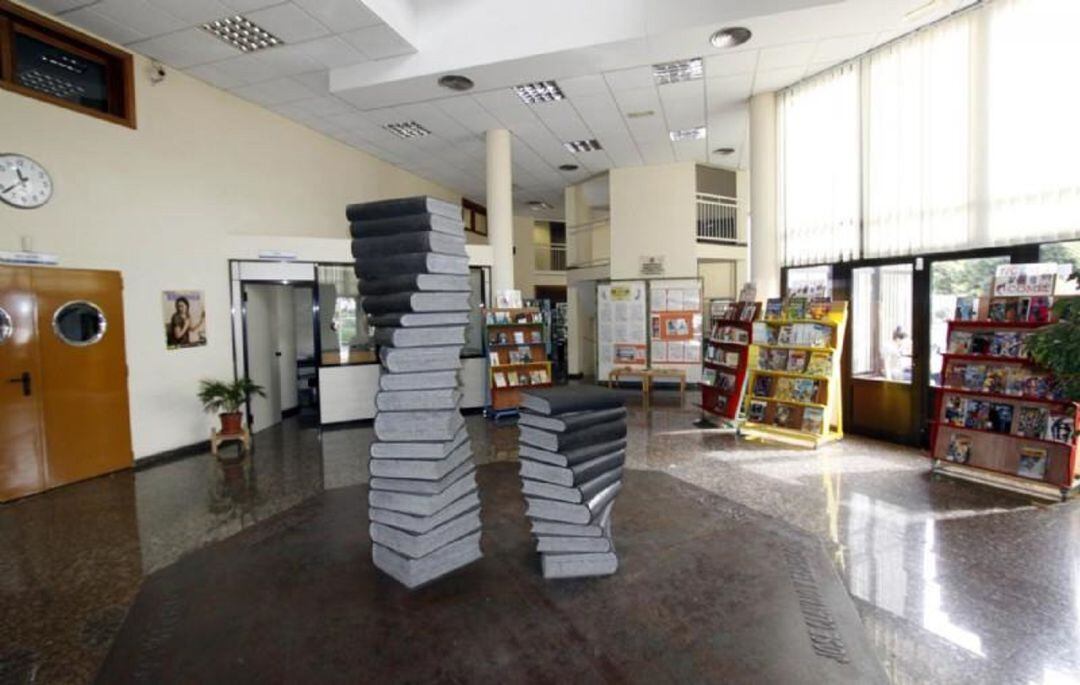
(786, 419)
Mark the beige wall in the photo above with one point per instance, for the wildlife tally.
(653, 213)
(166, 204)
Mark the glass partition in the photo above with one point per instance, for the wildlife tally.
(346, 337)
(881, 322)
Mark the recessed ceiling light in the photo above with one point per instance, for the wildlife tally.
(541, 91)
(568, 167)
(676, 72)
(583, 145)
(407, 129)
(456, 82)
(640, 114)
(724, 151)
(696, 133)
(242, 33)
(538, 205)
(730, 37)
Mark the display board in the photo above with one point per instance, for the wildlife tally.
(998, 411)
(675, 326)
(794, 376)
(622, 330)
(726, 356)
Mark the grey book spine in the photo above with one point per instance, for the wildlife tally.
(413, 283)
(574, 456)
(416, 302)
(407, 223)
(416, 262)
(420, 204)
(570, 422)
(389, 245)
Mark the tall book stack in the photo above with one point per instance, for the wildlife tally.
(413, 271)
(573, 446)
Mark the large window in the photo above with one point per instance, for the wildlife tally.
(881, 322)
(962, 134)
(950, 281)
(810, 281)
(48, 61)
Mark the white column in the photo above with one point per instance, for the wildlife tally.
(500, 208)
(764, 246)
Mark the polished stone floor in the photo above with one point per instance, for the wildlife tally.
(954, 582)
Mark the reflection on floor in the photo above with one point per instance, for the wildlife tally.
(954, 582)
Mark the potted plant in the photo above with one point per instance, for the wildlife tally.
(225, 399)
(1057, 346)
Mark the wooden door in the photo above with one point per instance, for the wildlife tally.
(22, 468)
(80, 322)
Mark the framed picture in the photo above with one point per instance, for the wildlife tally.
(185, 318)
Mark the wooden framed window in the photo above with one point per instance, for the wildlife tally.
(475, 217)
(47, 61)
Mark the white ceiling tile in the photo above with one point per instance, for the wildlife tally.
(379, 42)
(215, 76)
(140, 16)
(766, 81)
(185, 48)
(249, 5)
(731, 63)
(727, 91)
(628, 79)
(245, 69)
(583, 86)
(658, 153)
(57, 6)
(274, 92)
(288, 22)
(194, 11)
(684, 113)
(468, 113)
(682, 90)
(316, 81)
(351, 120)
(332, 52)
(837, 49)
(340, 15)
(289, 60)
(691, 150)
(100, 25)
(785, 56)
(639, 100)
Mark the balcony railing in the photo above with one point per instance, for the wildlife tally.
(551, 257)
(716, 218)
(589, 244)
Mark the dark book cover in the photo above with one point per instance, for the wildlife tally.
(559, 442)
(409, 320)
(574, 456)
(570, 398)
(413, 283)
(420, 204)
(411, 263)
(570, 422)
(404, 243)
(588, 470)
(412, 223)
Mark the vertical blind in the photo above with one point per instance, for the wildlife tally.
(961, 135)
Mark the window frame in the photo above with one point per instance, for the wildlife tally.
(469, 212)
(118, 64)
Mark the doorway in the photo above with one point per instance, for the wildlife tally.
(63, 378)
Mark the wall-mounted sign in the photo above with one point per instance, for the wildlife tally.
(651, 266)
(28, 258)
(277, 255)
(185, 318)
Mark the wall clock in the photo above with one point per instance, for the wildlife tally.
(23, 182)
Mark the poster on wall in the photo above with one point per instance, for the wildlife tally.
(1012, 280)
(675, 325)
(185, 318)
(621, 326)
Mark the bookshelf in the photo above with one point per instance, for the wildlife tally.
(793, 377)
(517, 355)
(999, 413)
(725, 359)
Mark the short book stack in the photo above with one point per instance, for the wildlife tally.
(572, 450)
(413, 272)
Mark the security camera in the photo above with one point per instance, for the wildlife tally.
(157, 72)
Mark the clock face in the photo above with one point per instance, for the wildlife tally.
(23, 182)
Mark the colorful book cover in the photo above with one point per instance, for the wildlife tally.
(725, 381)
(996, 312)
(796, 361)
(774, 308)
(708, 376)
(959, 450)
(784, 416)
(500, 379)
(1037, 386)
(1060, 428)
(756, 412)
(535, 337)
(786, 335)
(537, 377)
(974, 376)
(820, 307)
(1023, 307)
(819, 364)
(966, 309)
(1031, 422)
(813, 419)
(1032, 463)
(804, 390)
(1001, 417)
(512, 378)
(776, 360)
(980, 343)
(954, 374)
(763, 386)
(519, 337)
(797, 308)
(749, 311)
(1039, 310)
(784, 389)
(820, 336)
(976, 414)
(493, 357)
(996, 380)
(731, 358)
(953, 410)
(960, 342)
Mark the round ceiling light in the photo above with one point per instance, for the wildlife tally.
(730, 37)
(725, 151)
(456, 82)
(568, 167)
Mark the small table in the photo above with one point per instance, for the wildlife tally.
(217, 438)
(647, 376)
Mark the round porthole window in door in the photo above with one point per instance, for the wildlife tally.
(79, 323)
(6, 327)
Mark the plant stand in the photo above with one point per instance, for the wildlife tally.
(217, 438)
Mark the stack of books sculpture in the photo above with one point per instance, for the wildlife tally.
(413, 272)
(572, 449)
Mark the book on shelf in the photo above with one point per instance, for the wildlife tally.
(796, 361)
(764, 334)
(749, 311)
(820, 308)
(976, 414)
(493, 357)
(1032, 463)
(534, 337)
(796, 308)
(785, 416)
(804, 335)
(756, 411)
(731, 358)
(967, 309)
(720, 404)
(500, 379)
(512, 378)
(784, 389)
(763, 386)
(773, 360)
(804, 390)
(1061, 428)
(959, 449)
(774, 308)
(819, 364)
(1031, 422)
(502, 338)
(519, 337)
(954, 410)
(726, 382)
(1001, 417)
(813, 419)
(708, 376)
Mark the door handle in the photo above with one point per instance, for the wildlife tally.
(25, 380)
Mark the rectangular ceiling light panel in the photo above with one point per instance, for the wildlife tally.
(407, 129)
(676, 72)
(242, 33)
(541, 91)
(583, 145)
(696, 133)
